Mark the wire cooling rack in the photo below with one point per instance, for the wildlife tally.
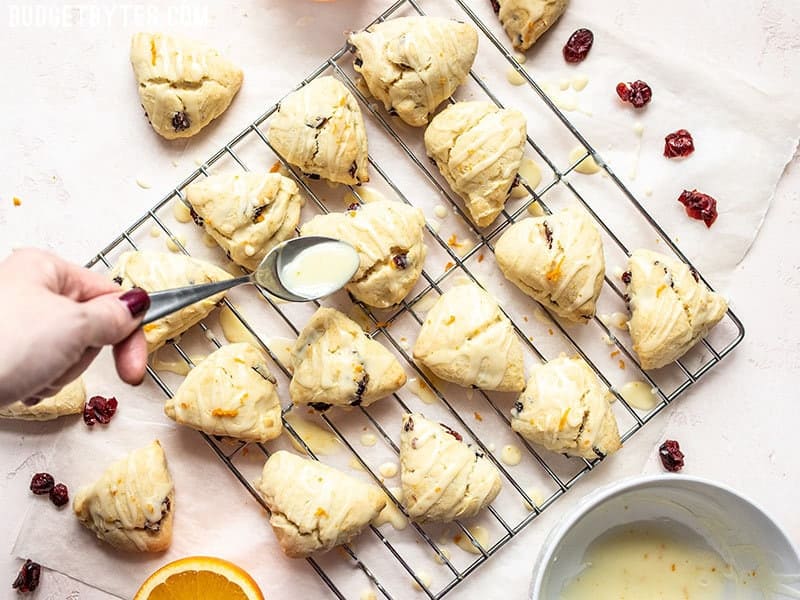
(424, 553)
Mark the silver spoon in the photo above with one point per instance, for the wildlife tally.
(282, 273)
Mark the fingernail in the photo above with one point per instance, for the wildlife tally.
(136, 300)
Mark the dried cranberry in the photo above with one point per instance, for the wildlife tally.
(455, 434)
(626, 277)
(400, 261)
(198, 220)
(678, 144)
(518, 407)
(320, 406)
(257, 213)
(409, 426)
(495, 6)
(671, 456)
(353, 206)
(362, 387)
(578, 45)
(636, 92)
(99, 410)
(180, 121)
(28, 578)
(548, 235)
(59, 495)
(353, 169)
(699, 206)
(118, 280)
(42, 483)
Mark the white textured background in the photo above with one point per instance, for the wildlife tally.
(73, 142)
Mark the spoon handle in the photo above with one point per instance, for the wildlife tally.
(168, 301)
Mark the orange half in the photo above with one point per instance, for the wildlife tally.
(199, 577)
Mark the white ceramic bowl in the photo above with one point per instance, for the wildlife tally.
(737, 529)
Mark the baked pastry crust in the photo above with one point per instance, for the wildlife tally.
(320, 130)
(671, 309)
(247, 214)
(525, 21)
(413, 64)
(556, 260)
(315, 507)
(478, 148)
(336, 364)
(68, 401)
(443, 478)
(389, 239)
(183, 84)
(566, 409)
(231, 393)
(132, 504)
(466, 339)
(154, 271)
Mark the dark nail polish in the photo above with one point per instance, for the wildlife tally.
(136, 300)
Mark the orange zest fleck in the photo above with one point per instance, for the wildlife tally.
(673, 567)
(478, 416)
(621, 364)
(453, 242)
(480, 257)
(563, 422)
(615, 353)
(321, 512)
(153, 53)
(259, 218)
(660, 289)
(358, 368)
(275, 167)
(149, 327)
(449, 266)
(17, 201)
(451, 320)
(554, 274)
(221, 412)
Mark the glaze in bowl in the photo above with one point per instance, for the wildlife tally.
(736, 528)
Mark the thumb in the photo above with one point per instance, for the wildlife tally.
(109, 319)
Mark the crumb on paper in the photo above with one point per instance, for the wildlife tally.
(142, 183)
(198, 161)
(615, 353)
(17, 201)
(480, 257)
(550, 330)
(478, 416)
(621, 364)
(449, 265)
(276, 166)
(525, 318)
(174, 163)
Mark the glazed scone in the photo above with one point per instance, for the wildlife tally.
(566, 409)
(320, 130)
(443, 478)
(389, 239)
(478, 148)
(132, 504)
(337, 364)
(413, 64)
(231, 393)
(315, 507)
(68, 401)
(671, 309)
(556, 260)
(183, 84)
(525, 21)
(466, 339)
(154, 271)
(247, 214)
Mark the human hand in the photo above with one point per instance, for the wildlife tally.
(54, 319)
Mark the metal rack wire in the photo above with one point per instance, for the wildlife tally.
(552, 469)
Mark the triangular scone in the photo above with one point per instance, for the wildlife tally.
(183, 84)
(478, 148)
(155, 271)
(389, 239)
(525, 21)
(247, 213)
(443, 478)
(557, 260)
(315, 507)
(413, 64)
(231, 393)
(320, 130)
(132, 504)
(337, 364)
(566, 409)
(467, 339)
(68, 401)
(671, 309)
